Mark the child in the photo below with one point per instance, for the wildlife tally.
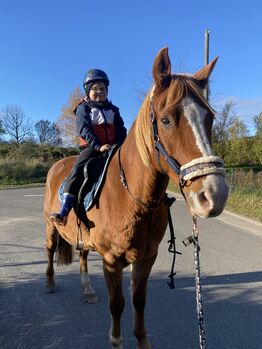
(100, 126)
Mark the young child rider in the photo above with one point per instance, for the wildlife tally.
(99, 126)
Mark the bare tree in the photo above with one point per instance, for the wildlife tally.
(16, 124)
(48, 133)
(2, 131)
(223, 121)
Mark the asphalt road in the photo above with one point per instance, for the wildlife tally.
(231, 282)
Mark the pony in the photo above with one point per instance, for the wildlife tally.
(169, 139)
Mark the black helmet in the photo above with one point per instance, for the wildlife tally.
(95, 75)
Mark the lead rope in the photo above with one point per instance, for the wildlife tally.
(172, 242)
(199, 299)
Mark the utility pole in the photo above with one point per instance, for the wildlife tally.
(206, 59)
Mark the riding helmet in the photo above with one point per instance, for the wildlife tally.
(94, 75)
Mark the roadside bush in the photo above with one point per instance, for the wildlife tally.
(21, 172)
(5, 150)
(29, 162)
(33, 151)
(245, 181)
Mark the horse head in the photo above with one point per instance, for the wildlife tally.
(181, 128)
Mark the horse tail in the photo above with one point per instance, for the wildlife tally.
(64, 252)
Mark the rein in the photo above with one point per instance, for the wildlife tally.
(172, 242)
(150, 205)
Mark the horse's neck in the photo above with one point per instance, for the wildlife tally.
(145, 182)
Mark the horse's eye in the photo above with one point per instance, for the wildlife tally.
(166, 121)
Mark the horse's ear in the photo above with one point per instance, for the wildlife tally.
(162, 69)
(203, 74)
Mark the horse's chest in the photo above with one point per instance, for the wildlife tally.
(131, 237)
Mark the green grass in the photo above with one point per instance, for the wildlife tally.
(246, 204)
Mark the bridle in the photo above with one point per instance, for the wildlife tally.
(196, 168)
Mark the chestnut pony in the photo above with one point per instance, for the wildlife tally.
(170, 138)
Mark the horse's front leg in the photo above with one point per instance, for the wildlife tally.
(51, 244)
(113, 276)
(89, 293)
(140, 274)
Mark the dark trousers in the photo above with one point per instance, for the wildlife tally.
(76, 176)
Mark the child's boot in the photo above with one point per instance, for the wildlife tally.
(67, 204)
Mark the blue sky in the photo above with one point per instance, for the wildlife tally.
(48, 45)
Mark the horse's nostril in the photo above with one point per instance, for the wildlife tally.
(205, 200)
(202, 197)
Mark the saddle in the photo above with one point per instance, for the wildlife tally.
(94, 174)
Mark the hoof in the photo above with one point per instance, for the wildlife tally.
(144, 345)
(116, 342)
(51, 288)
(91, 298)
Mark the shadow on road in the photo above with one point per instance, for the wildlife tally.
(30, 318)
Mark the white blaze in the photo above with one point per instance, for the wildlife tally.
(195, 116)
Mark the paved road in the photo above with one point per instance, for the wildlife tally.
(231, 275)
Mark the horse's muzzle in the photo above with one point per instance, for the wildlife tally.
(210, 199)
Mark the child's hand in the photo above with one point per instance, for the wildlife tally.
(105, 147)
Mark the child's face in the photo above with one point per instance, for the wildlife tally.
(98, 92)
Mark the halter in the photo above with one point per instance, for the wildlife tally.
(196, 168)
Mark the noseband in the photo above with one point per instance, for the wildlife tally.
(198, 167)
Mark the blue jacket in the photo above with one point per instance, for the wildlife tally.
(99, 123)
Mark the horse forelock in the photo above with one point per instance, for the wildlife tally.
(181, 87)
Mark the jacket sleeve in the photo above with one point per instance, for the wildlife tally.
(84, 127)
(119, 127)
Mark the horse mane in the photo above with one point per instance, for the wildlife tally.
(181, 86)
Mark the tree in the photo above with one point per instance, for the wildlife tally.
(239, 143)
(48, 133)
(223, 121)
(258, 124)
(238, 129)
(16, 124)
(67, 121)
(257, 144)
(2, 131)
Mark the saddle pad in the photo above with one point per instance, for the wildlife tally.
(95, 188)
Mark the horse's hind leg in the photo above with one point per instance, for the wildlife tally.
(89, 293)
(51, 244)
(140, 274)
(113, 276)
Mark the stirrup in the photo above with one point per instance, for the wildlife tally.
(58, 218)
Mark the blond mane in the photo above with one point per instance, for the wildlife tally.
(180, 87)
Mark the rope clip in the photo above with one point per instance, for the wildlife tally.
(193, 238)
(189, 240)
